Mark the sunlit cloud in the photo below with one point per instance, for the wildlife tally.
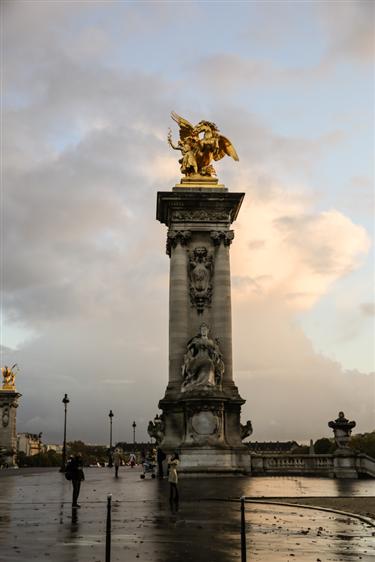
(86, 115)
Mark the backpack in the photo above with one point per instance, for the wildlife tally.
(68, 471)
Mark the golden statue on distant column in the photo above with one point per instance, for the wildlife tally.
(200, 145)
(9, 377)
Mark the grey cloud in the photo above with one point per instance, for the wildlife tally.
(297, 380)
(350, 29)
(368, 308)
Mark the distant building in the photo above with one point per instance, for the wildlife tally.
(52, 447)
(272, 446)
(29, 443)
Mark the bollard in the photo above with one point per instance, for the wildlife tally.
(108, 530)
(243, 530)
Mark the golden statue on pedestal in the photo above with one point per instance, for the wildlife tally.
(9, 377)
(200, 145)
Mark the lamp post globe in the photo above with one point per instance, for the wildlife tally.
(65, 401)
(110, 462)
(134, 425)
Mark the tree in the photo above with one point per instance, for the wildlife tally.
(364, 443)
(51, 458)
(324, 446)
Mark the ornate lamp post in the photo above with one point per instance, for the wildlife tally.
(65, 401)
(134, 425)
(110, 415)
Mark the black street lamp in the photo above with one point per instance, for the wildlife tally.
(65, 401)
(110, 415)
(134, 425)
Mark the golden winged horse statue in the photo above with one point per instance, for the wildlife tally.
(199, 145)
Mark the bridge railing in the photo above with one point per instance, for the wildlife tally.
(365, 465)
(268, 463)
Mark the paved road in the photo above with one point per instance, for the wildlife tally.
(37, 523)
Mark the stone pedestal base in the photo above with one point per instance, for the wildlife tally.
(204, 427)
(214, 462)
(344, 464)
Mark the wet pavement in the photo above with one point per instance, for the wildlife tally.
(37, 522)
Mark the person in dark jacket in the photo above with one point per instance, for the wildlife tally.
(74, 470)
(160, 457)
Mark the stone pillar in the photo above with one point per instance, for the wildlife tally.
(178, 304)
(8, 431)
(201, 407)
(221, 300)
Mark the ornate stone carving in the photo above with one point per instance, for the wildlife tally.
(5, 416)
(246, 430)
(222, 236)
(203, 366)
(197, 215)
(200, 273)
(156, 429)
(197, 152)
(342, 429)
(175, 237)
(204, 421)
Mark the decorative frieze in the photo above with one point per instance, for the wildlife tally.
(222, 236)
(199, 215)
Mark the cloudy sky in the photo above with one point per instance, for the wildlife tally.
(87, 92)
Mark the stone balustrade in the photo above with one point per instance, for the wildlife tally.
(350, 465)
(284, 464)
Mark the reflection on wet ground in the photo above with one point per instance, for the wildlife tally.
(37, 522)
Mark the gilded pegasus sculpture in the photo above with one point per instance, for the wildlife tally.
(199, 145)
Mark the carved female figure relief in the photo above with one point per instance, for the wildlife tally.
(200, 273)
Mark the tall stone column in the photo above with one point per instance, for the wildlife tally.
(178, 303)
(8, 430)
(201, 407)
(221, 301)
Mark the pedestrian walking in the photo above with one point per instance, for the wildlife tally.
(173, 463)
(132, 460)
(75, 473)
(117, 459)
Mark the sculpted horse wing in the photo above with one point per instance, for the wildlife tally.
(186, 128)
(225, 148)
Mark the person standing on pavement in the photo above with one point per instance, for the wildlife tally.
(117, 458)
(75, 473)
(173, 463)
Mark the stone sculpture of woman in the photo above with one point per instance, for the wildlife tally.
(203, 366)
